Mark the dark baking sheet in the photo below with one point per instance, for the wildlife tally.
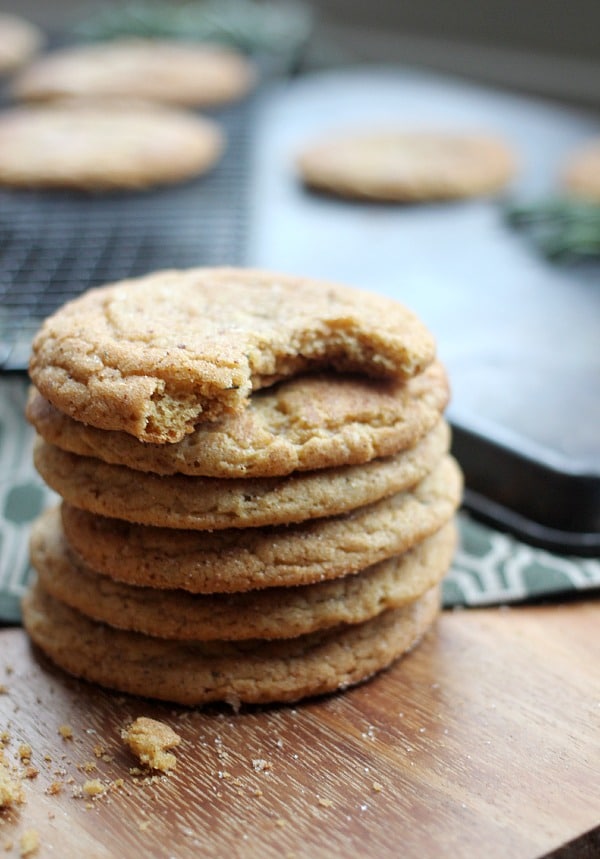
(54, 245)
(519, 335)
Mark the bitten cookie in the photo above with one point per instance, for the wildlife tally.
(255, 671)
(156, 70)
(281, 612)
(104, 147)
(406, 166)
(316, 421)
(155, 355)
(235, 560)
(206, 503)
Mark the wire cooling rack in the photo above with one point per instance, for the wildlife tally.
(55, 245)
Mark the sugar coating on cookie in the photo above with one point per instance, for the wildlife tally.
(19, 41)
(157, 70)
(235, 560)
(406, 166)
(581, 176)
(155, 355)
(269, 613)
(253, 671)
(316, 421)
(104, 147)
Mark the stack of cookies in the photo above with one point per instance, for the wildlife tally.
(258, 498)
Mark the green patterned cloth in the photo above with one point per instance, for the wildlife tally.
(490, 567)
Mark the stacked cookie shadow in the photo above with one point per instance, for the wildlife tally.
(257, 495)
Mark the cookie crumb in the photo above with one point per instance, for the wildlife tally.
(324, 803)
(259, 765)
(29, 842)
(3, 689)
(11, 792)
(54, 788)
(66, 732)
(25, 752)
(150, 740)
(93, 787)
(31, 772)
(377, 787)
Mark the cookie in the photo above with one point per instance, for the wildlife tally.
(310, 422)
(156, 70)
(280, 612)
(19, 41)
(236, 560)
(581, 176)
(207, 503)
(104, 147)
(254, 671)
(406, 166)
(154, 355)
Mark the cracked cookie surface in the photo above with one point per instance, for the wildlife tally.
(155, 355)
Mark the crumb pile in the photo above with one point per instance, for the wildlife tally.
(257, 494)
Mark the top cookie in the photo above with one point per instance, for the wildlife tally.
(155, 355)
(582, 174)
(157, 70)
(19, 40)
(406, 166)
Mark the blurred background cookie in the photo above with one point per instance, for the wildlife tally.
(157, 70)
(103, 147)
(581, 177)
(19, 41)
(406, 166)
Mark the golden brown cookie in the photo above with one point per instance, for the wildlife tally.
(207, 503)
(19, 41)
(316, 421)
(156, 70)
(235, 560)
(280, 612)
(406, 166)
(155, 355)
(104, 147)
(582, 174)
(254, 671)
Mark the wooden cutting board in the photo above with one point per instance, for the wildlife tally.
(485, 741)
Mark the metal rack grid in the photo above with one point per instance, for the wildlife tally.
(55, 245)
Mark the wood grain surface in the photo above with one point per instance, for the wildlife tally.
(485, 741)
